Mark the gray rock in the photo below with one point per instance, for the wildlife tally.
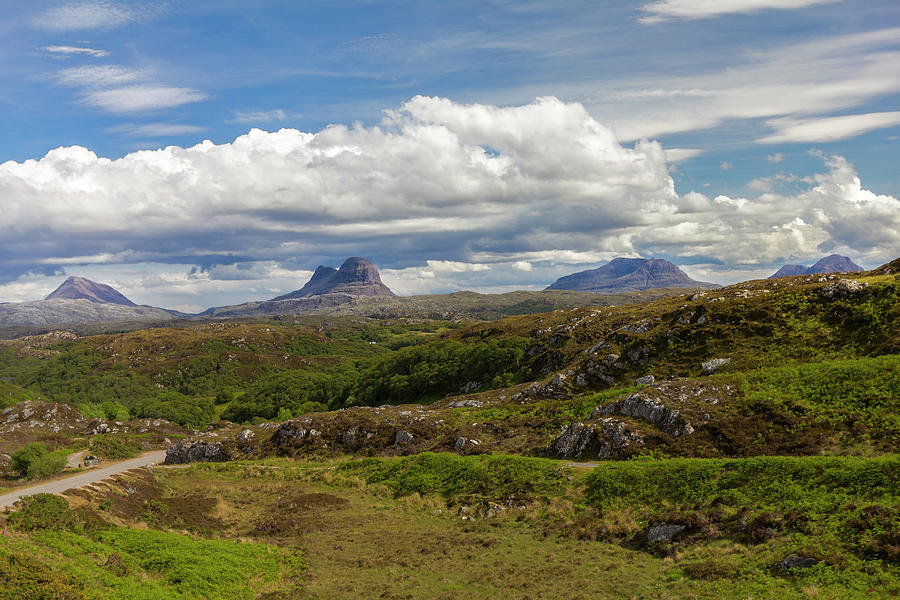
(640, 355)
(793, 561)
(403, 437)
(466, 404)
(842, 288)
(245, 436)
(607, 440)
(558, 380)
(188, 451)
(581, 380)
(711, 366)
(645, 380)
(665, 532)
(470, 387)
(89, 460)
(650, 410)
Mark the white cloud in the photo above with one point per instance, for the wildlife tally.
(666, 10)
(828, 129)
(481, 190)
(675, 155)
(725, 165)
(775, 158)
(99, 76)
(76, 50)
(78, 16)
(796, 80)
(258, 116)
(137, 98)
(119, 89)
(154, 130)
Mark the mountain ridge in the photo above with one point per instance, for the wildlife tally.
(833, 263)
(628, 274)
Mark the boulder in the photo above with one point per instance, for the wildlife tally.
(403, 437)
(645, 380)
(842, 288)
(793, 561)
(664, 532)
(607, 439)
(650, 410)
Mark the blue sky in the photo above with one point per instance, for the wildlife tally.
(481, 145)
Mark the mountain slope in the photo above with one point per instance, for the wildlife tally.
(79, 288)
(628, 274)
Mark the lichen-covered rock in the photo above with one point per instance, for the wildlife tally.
(664, 532)
(194, 450)
(245, 435)
(403, 437)
(793, 561)
(842, 288)
(607, 439)
(711, 366)
(466, 404)
(645, 380)
(650, 410)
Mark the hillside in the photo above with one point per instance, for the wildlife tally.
(628, 274)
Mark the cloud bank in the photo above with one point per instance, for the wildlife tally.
(508, 195)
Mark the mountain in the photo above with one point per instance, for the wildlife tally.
(628, 274)
(327, 289)
(833, 263)
(356, 277)
(80, 300)
(75, 288)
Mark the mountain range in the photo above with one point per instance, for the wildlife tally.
(628, 275)
(833, 263)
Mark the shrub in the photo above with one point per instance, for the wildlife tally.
(47, 465)
(25, 456)
(43, 511)
(109, 447)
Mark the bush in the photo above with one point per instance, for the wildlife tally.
(24, 577)
(25, 456)
(47, 465)
(109, 447)
(43, 511)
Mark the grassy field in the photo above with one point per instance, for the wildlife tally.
(444, 526)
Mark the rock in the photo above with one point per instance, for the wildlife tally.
(645, 380)
(466, 404)
(89, 460)
(664, 532)
(650, 410)
(607, 440)
(460, 443)
(711, 366)
(558, 380)
(245, 436)
(793, 561)
(403, 437)
(99, 429)
(494, 511)
(290, 434)
(581, 380)
(842, 288)
(639, 355)
(188, 451)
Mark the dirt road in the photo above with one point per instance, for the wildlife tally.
(61, 485)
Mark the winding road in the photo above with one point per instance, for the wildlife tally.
(81, 479)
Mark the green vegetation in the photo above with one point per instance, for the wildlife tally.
(34, 462)
(114, 448)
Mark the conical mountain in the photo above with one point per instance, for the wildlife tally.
(79, 288)
(356, 277)
(627, 275)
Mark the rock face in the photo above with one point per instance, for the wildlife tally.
(627, 275)
(79, 288)
(606, 439)
(650, 410)
(833, 263)
(188, 451)
(356, 277)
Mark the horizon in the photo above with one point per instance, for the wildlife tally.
(214, 153)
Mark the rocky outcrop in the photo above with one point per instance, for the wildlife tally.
(650, 410)
(842, 289)
(196, 450)
(43, 416)
(606, 439)
(626, 275)
(714, 364)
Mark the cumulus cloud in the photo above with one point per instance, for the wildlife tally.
(667, 10)
(76, 51)
(439, 194)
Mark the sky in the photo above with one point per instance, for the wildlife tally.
(204, 153)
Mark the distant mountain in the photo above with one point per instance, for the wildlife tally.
(327, 289)
(627, 275)
(75, 288)
(833, 263)
(356, 277)
(80, 300)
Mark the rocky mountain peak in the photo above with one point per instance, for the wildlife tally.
(628, 274)
(79, 288)
(833, 263)
(356, 277)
